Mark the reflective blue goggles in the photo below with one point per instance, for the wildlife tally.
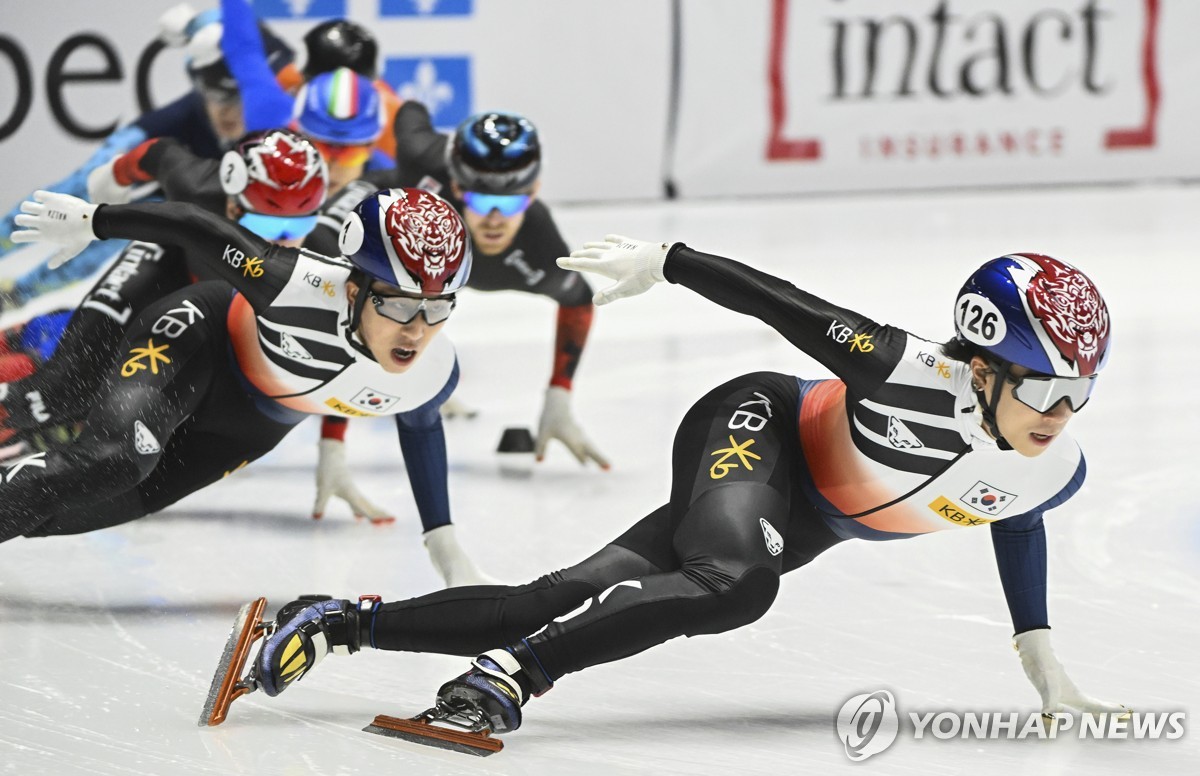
(509, 205)
(278, 227)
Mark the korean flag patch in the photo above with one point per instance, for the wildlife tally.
(374, 401)
(987, 499)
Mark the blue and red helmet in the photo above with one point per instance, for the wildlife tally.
(1035, 311)
(340, 107)
(408, 238)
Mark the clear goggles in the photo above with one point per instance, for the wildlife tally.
(403, 309)
(1044, 392)
(278, 227)
(509, 205)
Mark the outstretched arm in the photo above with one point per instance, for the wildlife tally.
(423, 442)
(861, 352)
(265, 104)
(255, 267)
(1020, 545)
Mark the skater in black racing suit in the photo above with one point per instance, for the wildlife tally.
(769, 471)
(212, 376)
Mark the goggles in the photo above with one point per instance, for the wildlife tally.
(218, 94)
(343, 155)
(509, 205)
(403, 309)
(278, 227)
(1043, 392)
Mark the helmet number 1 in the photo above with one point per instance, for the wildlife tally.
(979, 320)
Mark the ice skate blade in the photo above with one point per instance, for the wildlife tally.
(420, 731)
(227, 685)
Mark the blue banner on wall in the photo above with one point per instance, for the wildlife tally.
(299, 9)
(443, 84)
(425, 7)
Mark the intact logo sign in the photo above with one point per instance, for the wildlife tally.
(873, 81)
(443, 84)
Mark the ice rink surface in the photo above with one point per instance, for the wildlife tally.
(108, 641)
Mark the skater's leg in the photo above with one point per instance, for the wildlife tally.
(468, 620)
(157, 385)
(732, 502)
(728, 578)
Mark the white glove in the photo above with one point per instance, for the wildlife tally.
(634, 264)
(1049, 678)
(102, 186)
(56, 218)
(173, 24)
(333, 479)
(557, 423)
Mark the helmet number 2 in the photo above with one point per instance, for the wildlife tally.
(979, 320)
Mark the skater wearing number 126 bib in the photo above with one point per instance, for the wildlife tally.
(769, 471)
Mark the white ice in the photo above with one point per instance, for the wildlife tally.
(108, 640)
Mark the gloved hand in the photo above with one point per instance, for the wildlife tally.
(102, 186)
(557, 423)
(634, 264)
(333, 479)
(1049, 678)
(56, 218)
(173, 24)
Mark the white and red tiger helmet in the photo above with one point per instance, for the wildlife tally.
(1038, 312)
(409, 238)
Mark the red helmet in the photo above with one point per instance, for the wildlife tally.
(275, 173)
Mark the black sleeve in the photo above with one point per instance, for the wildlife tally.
(255, 267)
(420, 149)
(324, 238)
(859, 351)
(542, 244)
(184, 176)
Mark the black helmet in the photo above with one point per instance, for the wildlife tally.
(340, 43)
(496, 153)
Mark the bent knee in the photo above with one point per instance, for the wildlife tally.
(738, 602)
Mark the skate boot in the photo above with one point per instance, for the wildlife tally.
(303, 633)
(485, 700)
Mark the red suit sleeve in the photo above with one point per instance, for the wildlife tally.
(128, 169)
(333, 428)
(573, 326)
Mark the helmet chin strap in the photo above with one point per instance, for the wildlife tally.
(356, 315)
(989, 406)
